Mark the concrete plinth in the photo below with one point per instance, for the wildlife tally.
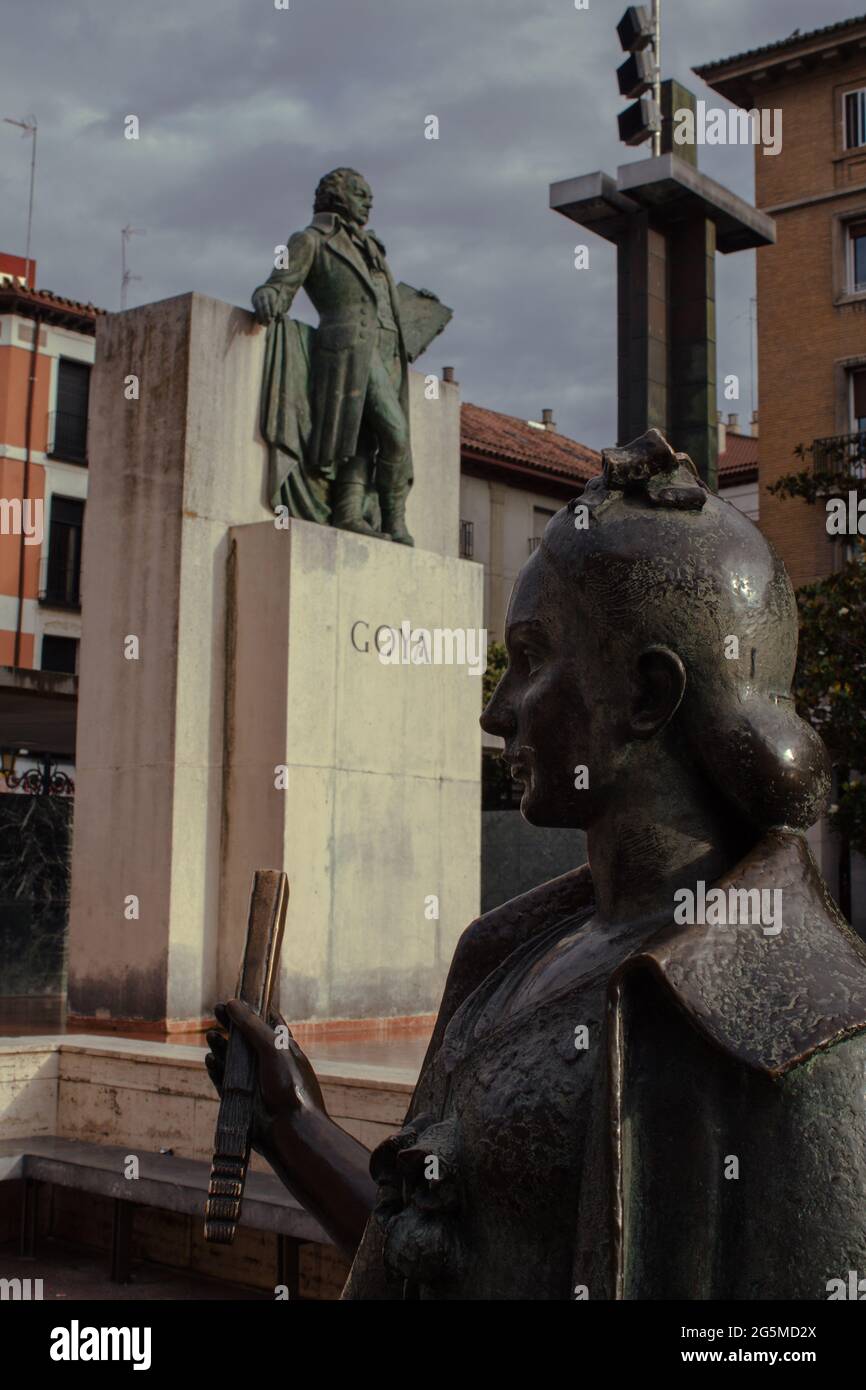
(379, 814)
(176, 459)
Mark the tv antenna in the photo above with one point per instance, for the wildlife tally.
(126, 275)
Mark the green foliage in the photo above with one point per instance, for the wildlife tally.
(830, 680)
(497, 786)
(830, 683)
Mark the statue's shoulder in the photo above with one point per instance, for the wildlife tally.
(770, 996)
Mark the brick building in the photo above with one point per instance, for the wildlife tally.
(811, 286)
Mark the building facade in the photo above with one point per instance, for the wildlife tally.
(515, 474)
(46, 354)
(811, 286)
(738, 465)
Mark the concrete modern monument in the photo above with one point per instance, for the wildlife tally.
(646, 1078)
(335, 402)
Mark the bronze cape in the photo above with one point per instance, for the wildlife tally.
(722, 1043)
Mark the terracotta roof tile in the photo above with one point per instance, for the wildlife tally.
(494, 436)
(510, 439)
(739, 462)
(21, 299)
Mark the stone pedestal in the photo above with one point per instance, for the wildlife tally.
(376, 817)
(172, 470)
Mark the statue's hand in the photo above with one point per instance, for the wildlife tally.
(265, 303)
(287, 1085)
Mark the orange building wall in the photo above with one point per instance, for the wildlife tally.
(15, 365)
(12, 485)
(7, 649)
(802, 334)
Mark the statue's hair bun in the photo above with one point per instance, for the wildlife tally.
(648, 468)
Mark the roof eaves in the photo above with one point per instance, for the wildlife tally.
(790, 44)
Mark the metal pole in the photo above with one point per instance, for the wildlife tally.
(30, 208)
(657, 83)
(29, 128)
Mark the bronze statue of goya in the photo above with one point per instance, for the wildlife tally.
(335, 399)
(624, 1098)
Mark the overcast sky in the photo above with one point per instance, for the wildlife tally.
(242, 107)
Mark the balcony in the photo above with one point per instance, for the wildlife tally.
(533, 542)
(840, 453)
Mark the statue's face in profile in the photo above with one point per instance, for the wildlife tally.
(358, 199)
(557, 704)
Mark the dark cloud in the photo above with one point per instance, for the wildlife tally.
(242, 107)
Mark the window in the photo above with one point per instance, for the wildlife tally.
(857, 446)
(467, 540)
(858, 399)
(64, 552)
(70, 418)
(60, 654)
(855, 118)
(857, 257)
(540, 518)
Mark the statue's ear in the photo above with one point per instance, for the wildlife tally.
(659, 688)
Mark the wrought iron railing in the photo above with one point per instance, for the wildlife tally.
(45, 780)
(534, 542)
(840, 453)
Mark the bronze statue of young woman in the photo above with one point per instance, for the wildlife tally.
(646, 1079)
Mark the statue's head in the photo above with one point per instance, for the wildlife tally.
(347, 192)
(655, 625)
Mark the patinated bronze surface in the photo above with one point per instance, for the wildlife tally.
(335, 400)
(619, 1102)
(232, 1139)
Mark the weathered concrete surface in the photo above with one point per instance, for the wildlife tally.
(150, 1095)
(381, 807)
(170, 472)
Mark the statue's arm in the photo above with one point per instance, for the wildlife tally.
(275, 296)
(324, 1168)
